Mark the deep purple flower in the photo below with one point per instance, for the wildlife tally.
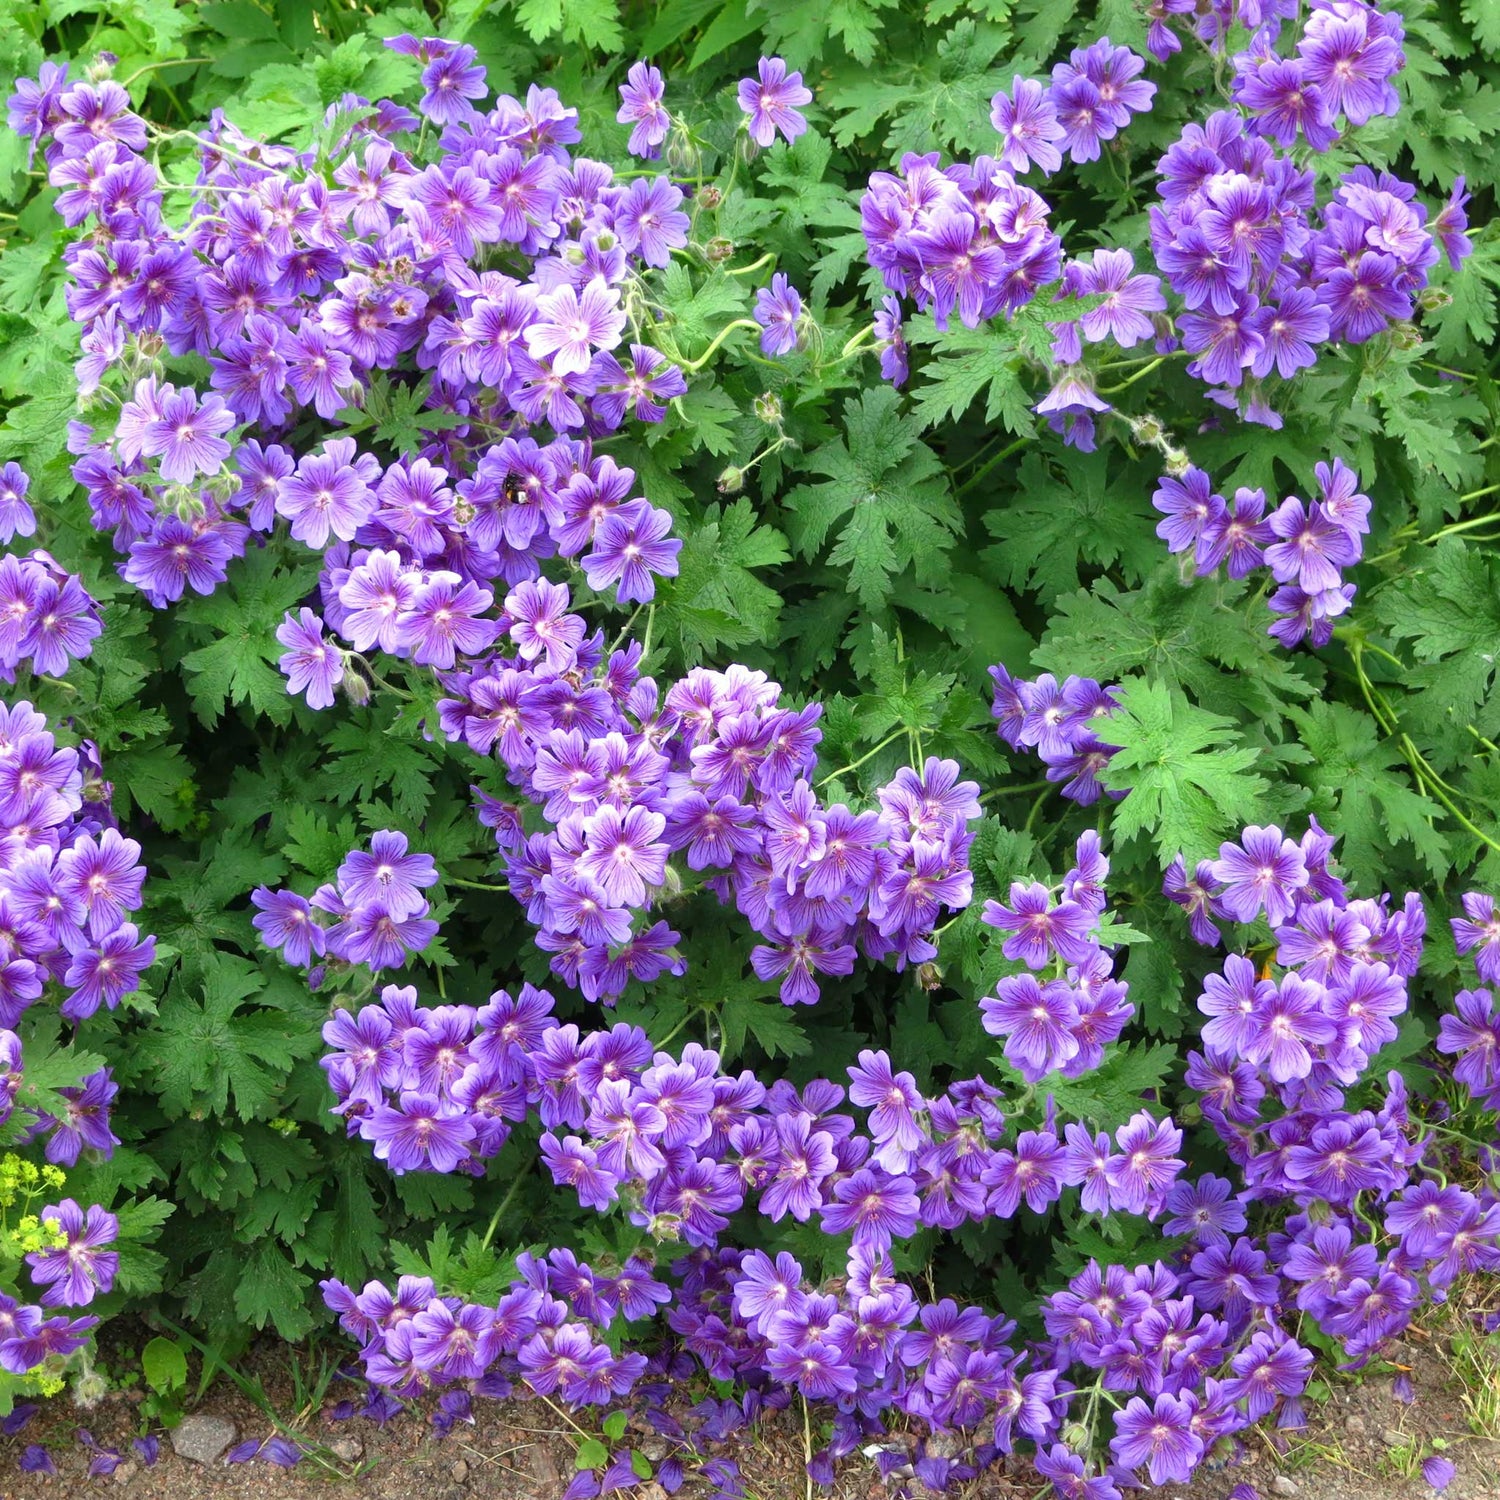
(771, 101)
(641, 107)
(75, 1271)
(632, 547)
(16, 517)
(1159, 1436)
(1039, 1023)
(778, 309)
(1478, 932)
(1263, 872)
(311, 664)
(1027, 120)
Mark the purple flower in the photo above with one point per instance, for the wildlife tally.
(1146, 1165)
(1478, 932)
(451, 79)
(641, 107)
(1127, 299)
(1235, 532)
(421, 1135)
(78, 1269)
(285, 920)
(189, 437)
(569, 327)
(1028, 121)
(1188, 503)
(387, 874)
(1288, 1023)
(1264, 871)
(107, 971)
(1159, 1436)
(1438, 1472)
(874, 1207)
(771, 102)
(649, 221)
(778, 308)
(1040, 1023)
(15, 514)
(1311, 548)
(1038, 929)
(311, 664)
(623, 853)
(633, 543)
(443, 619)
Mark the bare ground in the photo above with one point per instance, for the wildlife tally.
(1361, 1443)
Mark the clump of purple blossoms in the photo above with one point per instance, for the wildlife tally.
(1305, 547)
(1062, 723)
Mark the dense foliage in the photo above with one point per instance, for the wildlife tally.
(739, 728)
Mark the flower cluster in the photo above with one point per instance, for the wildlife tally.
(68, 881)
(305, 293)
(1059, 722)
(1265, 274)
(1305, 546)
(967, 238)
(375, 899)
(1472, 1035)
(1357, 1223)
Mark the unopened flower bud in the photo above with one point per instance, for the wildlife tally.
(1147, 429)
(731, 481)
(1404, 335)
(102, 67)
(1175, 461)
(768, 408)
(464, 511)
(709, 196)
(1433, 297)
(356, 687)
(89, 1389)
(929, 976)
(718, 249)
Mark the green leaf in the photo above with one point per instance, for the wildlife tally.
(1109, 1094)
(206, 1048)
(1360, 794)
(716, 600)
(164, 1365)
(239, 663)
(272, 1290)
(592, 1454)
(1448, 607)
(889, 491)
(614, 1425)
(1187, 781)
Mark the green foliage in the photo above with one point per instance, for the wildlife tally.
(1189, 780)
(869, 548)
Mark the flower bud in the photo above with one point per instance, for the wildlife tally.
(709, 196)
(89, 1389)
(102, 67)
(768, 408)
(1148, 429)
(930, 976)
(718, 249)
(1175, 461)
(731, 481)
(356, 686)
(1433, 297)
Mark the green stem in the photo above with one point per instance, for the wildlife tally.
(767, 259)
(1470, 525)
(854, 765)
(1109, 390)
(168, 62)
(1000, 457)
(690, 366)
(474, 885)
(495, 1217)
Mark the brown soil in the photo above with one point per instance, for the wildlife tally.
(1361, 1444)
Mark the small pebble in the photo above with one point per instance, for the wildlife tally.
(1394, 1439)
(1281, 1485)
(1354, 1425)
(126, 1472)
(654, 1449)
(458, 1472)
(347, 1449)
